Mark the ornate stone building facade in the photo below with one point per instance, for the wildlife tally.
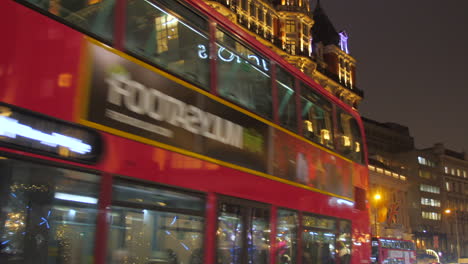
(301, 34)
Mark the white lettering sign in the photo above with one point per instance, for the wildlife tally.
(123, 91)
(228, 56)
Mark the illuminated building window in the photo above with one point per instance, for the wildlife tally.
(430, 215)
(429, 188)
(458, 173)
(345, 72)
(291, 46)
(446, 169)
(403, 178)
(425, 174)
(447, 186)
(464, 174)
(305, 30)
(372, 168)
(379, 170)
(166, 31)
(421, 160)
(430, 202)
(290, 26)
(452, 171)
(424, 161)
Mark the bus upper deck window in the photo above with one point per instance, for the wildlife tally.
(286, 99)
(243, 75)
(316, 115)
(171, 36)
(350, 140)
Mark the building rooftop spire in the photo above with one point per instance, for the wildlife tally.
(323, 29)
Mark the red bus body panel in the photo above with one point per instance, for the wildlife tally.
(40, 65)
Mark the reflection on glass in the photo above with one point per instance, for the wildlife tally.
(146, 236)
(45, 215)
(167, 41)
(318, 247)
(230, 224)
(258, 236)
(149, 196)
(151, 225)
(350, 143)
(344, 241)
(243, 75)
(286, 235)
(318, 240)
(286, 99)
(317, 115)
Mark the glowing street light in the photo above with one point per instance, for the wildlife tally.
(377, 197)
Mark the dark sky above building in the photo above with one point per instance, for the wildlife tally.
(412, 64)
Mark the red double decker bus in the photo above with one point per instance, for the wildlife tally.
(156, 131)
(393, 251)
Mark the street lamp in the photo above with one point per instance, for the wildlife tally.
(448, 211)
(377, 198)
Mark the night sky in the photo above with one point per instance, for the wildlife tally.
(412, 64)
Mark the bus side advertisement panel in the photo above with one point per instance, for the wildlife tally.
(129, 100)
